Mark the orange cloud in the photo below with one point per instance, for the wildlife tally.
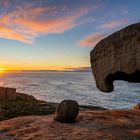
(113, 24)
(57, 25)
(27, 23)
(92, 40)
(9, 33)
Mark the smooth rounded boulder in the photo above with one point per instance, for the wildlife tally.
(67, 111)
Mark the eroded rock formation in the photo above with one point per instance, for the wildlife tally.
(117, 57)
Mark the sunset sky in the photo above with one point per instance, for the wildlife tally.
(58, 34)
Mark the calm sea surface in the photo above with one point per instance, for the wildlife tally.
(80, 86)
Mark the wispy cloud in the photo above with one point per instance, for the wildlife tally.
(26, 23)
(79, 69)
(9, 33)
(113, 24)
(92, 40)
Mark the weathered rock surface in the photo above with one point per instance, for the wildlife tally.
(67, 111)
(117, 57)
(89, 125)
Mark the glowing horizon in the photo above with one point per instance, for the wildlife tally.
(48, 68)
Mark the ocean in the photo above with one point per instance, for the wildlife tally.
(79, 86)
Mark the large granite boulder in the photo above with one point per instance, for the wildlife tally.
(67, 111)
(117, 57)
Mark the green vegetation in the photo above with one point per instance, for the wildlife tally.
(15, 108)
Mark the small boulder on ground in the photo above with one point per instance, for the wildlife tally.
(67, 111)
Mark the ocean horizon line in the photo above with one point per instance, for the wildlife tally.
(47, 71)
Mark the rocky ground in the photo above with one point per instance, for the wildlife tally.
(31, 119)
(89, 125)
